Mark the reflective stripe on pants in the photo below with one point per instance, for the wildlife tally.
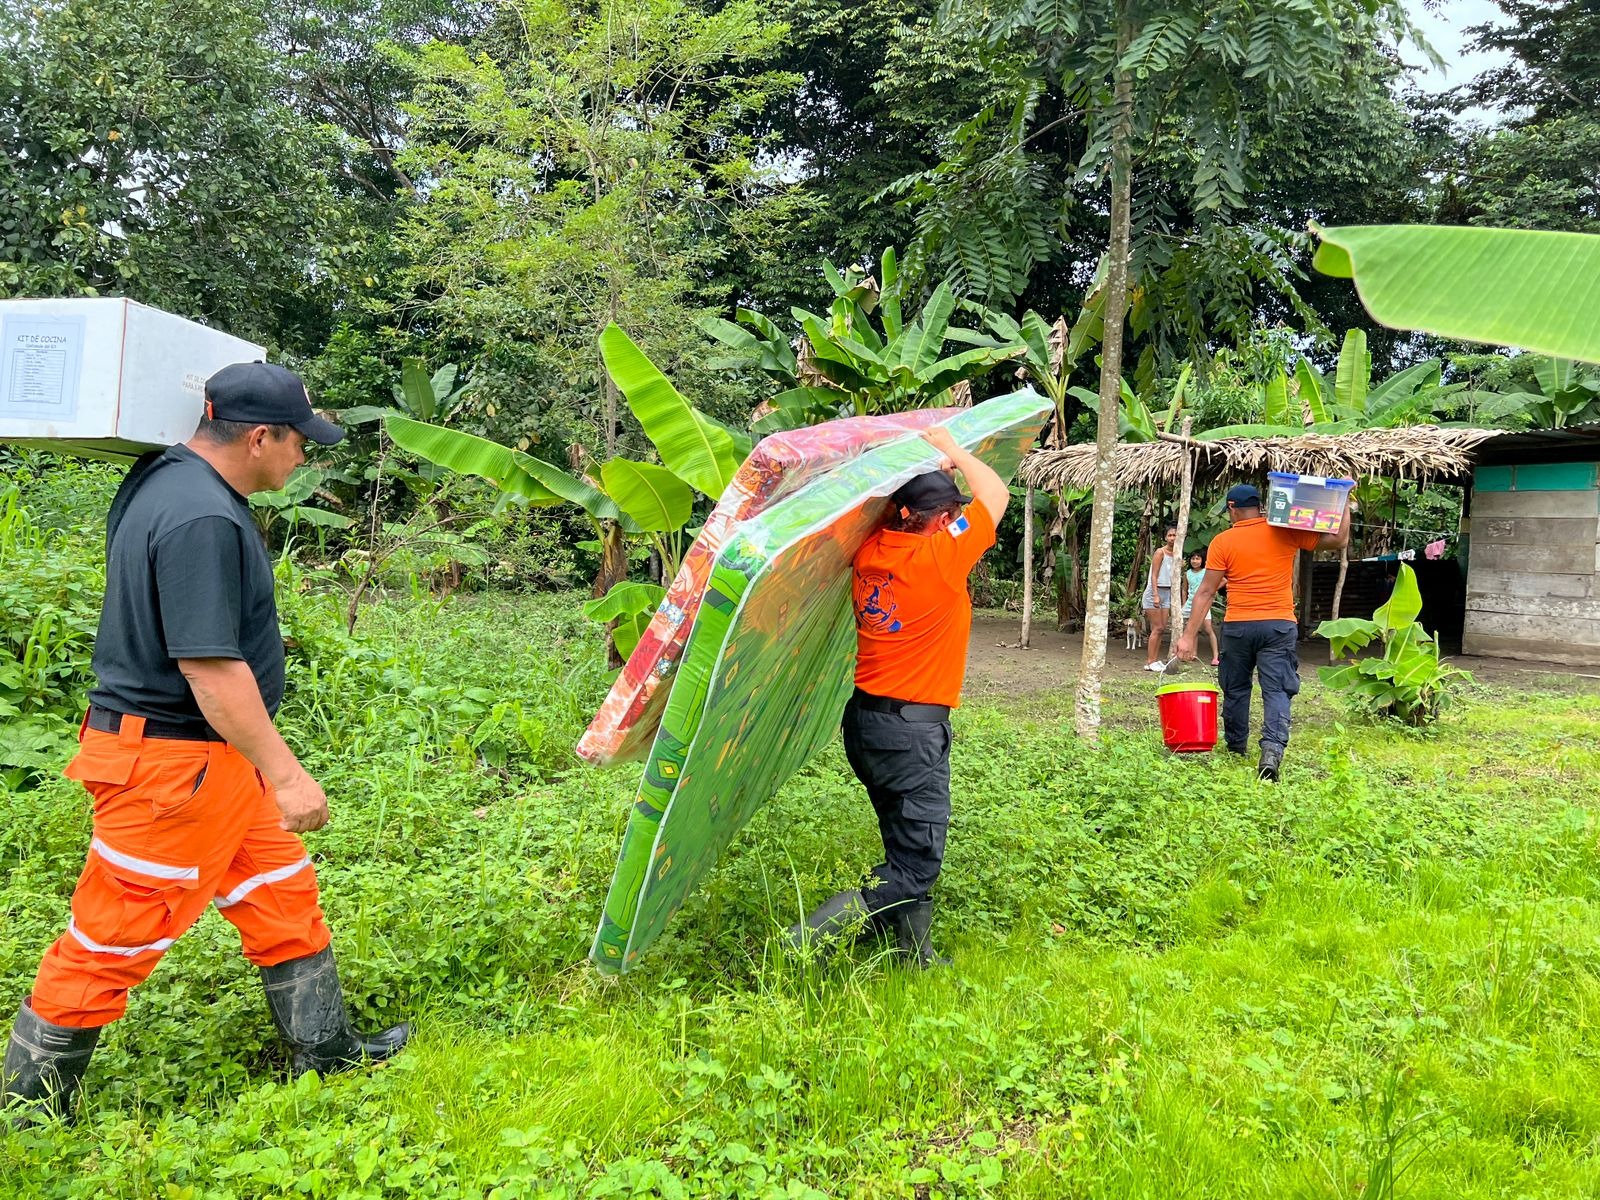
(176, 825)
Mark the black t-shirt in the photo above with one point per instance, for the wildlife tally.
(187, 576)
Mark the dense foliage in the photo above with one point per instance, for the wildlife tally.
(492, 185)
(1168, 979)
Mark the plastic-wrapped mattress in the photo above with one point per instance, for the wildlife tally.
(778, 467)
(767, 666)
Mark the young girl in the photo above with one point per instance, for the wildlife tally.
(1191, 580)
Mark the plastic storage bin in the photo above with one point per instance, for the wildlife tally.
(1306, 501)
(105, 375)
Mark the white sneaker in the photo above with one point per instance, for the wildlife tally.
(1155, 666)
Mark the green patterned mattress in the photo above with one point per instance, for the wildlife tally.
(766, 671)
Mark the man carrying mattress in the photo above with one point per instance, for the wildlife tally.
(913, 621)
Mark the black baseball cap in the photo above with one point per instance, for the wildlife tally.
(262, 393)
(934, 489)
(1244, 495)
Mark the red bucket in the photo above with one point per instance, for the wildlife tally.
(1188, 716)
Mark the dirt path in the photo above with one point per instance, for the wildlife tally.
(996, 667)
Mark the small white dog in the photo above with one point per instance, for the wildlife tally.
(1135, 634)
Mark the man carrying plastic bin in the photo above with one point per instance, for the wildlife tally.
(1260, 634)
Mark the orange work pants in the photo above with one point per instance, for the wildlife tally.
(177, 825)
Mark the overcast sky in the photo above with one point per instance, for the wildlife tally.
(1445, 30)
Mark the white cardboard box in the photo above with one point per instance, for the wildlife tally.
(98, 375)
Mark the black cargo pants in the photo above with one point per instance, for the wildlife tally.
(904, 763)
(1269, 650)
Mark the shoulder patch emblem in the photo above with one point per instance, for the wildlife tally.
(959, 526)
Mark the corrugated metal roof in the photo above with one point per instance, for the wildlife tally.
(1575, 443)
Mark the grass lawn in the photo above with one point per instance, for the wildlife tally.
(1380, 978)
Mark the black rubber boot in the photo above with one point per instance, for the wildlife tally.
(43, 1067)
(912, 923)
(834, 916)
(307, 1006)
(1271, 763)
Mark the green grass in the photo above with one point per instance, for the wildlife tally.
(1378, 979)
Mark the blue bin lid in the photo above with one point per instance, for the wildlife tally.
(1291, 479)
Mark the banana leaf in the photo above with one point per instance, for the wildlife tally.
(417, 387)
(832, 361)
(623, 599)
(655, 498)
(1313, 390)
(919, 345)
(1403, 383)
(1534, 289)
(1353, 375)
(1404, 603)
(889, 299)
(1349, 634)
(319, 517)
(575, 491)
(1276, 395)
(468, 454)
(948, 372)
(697, 451)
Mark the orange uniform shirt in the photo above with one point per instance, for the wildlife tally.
(1257, 560)
(913, 614)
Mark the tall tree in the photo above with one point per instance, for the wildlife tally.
(1191, 78)
(579, 167)
(1540, 168)
(148, 152)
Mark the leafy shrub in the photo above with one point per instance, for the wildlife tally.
(49, 606)
(1408, 682)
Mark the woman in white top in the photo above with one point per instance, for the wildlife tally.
(1158, 595)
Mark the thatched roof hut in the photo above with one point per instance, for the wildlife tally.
(1424, 453)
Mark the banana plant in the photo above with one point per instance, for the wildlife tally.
(1051, 352)
(623, 498)
(418, 395)
(291, 506)
(1139, 422)
(1407, 682)
(1569, 394)
(846, 364)
(1314, 403)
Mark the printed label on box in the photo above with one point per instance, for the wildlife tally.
(1301, 517)
(39, 362)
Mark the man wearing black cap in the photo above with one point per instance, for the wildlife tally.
(197, 799)
(913, 621)
(1260, 634)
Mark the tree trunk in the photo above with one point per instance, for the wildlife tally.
(1338, 590)
(1175, 606)
(1027, 565)
(609, 414)
(1139, 572)
(613, 570)
(609, 407)
(1091, 670)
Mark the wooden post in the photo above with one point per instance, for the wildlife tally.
(1027, 565)
(1185, 493)
(1338, 590)
(1304, 571)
